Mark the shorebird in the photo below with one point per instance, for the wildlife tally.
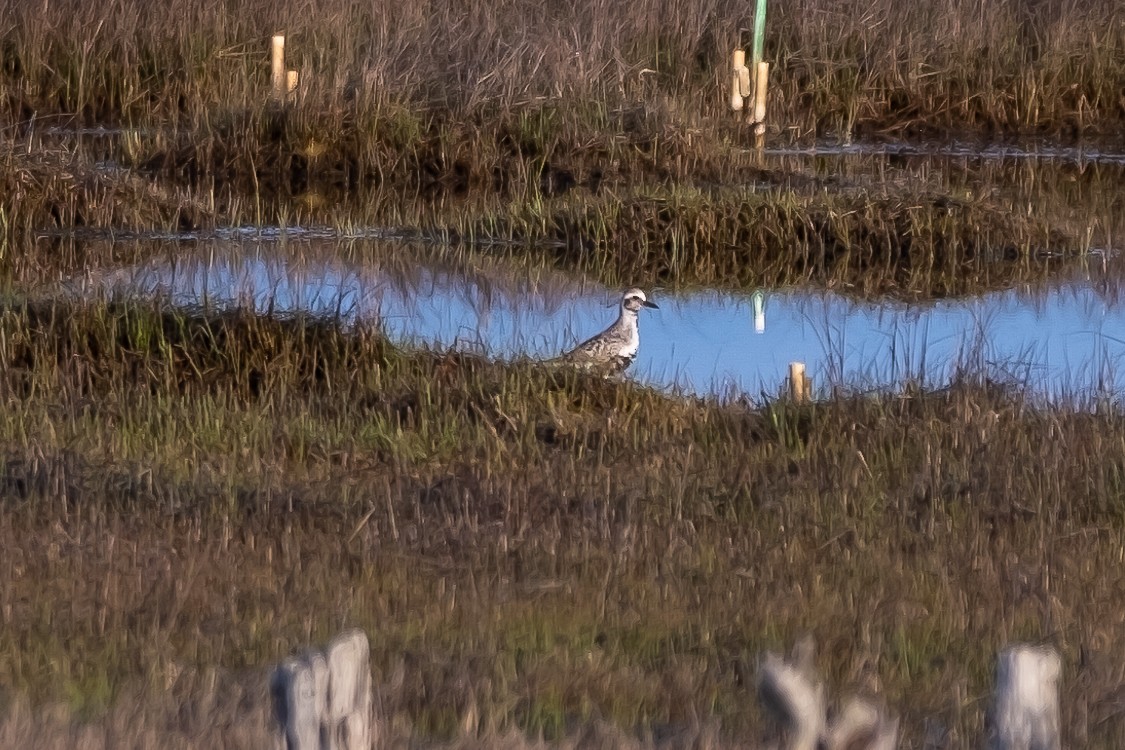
(614, 349)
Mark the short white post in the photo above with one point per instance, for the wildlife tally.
(322, 699)
(738, 71)
(279, 78)
(798, 383)
(761, 81)
(1025, 709)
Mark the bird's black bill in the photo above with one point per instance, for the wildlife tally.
(653, 305)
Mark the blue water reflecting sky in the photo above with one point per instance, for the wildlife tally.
(1066, 338)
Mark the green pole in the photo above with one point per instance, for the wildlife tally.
(759, 34)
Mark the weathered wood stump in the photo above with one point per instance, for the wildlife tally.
(322, 698)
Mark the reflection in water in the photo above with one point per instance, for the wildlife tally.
(1025, 150)
(1065, 339)
(1073, 188)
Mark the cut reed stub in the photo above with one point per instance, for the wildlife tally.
(799, 384)
(736, 100)
(279, 77)
(761, 80)
(739, 71)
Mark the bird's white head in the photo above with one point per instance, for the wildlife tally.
(634, 299)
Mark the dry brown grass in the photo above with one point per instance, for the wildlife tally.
(874, 237)
(505, 89)
(953, 64)
(870, 244)
(544, 551)
(522, 106)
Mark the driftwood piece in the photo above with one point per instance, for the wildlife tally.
(1025, 708)
(322, 698)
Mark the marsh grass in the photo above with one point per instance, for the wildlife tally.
(886, 239)
(624, 172)
(502, 89)
(955, 64)
(531, 550)
(64, 188)
(868, 244)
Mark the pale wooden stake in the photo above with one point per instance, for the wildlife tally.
(292, 78)
(761, 79)
(737, 64)
(279, 79)
(798, 383)
(1025, 709)
(322, 699)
